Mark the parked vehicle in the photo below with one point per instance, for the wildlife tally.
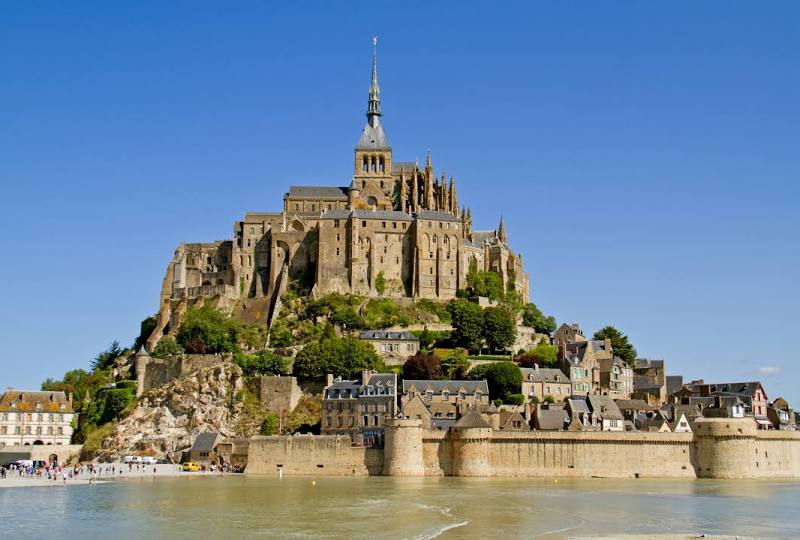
(191, 467)
(149, 460)
(132, 459)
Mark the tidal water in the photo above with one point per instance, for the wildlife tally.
(447, 508)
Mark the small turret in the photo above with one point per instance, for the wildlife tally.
(141, 359)
(501, 232)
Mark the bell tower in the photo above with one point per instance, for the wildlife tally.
(373, 155)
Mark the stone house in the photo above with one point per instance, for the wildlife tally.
(654, 424)
(538, 382)
(35, 418)
(553, 418)
(650, 381)
(568, 333)
(358, 408)
(457, 392)
(681, 424)
(751, 393)
(579, 363)
(513, 421)
(724, 407)
(579, 414)
(616, 377)
(632, 409)
(779, 418)
(393, 347)
(204, 448)
(605, 415)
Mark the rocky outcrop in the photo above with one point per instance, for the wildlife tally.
(167, 418)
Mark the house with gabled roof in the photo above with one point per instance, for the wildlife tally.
(539, 382)
(513, 421)
(435, 391)
(605, 414)
(358, 408)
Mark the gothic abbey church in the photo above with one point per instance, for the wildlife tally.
(396, 220)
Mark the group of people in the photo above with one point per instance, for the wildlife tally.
(55, 472)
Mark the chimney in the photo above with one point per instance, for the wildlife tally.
(328, 379)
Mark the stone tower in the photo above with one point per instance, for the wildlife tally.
(402, 454)
(471, 436)
(141, 359)
(372, 172)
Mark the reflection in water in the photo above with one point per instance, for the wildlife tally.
(415, 508)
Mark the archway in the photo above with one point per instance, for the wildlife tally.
(38, 442)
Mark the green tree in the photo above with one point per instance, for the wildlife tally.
(167, 346)
(115, 400)
(499, 328)
(422, 367)
(208, 330)
(467, 320)
(348, 318)
(107, 358)
(456, 365)
(344, 357)
(515, 399)
(380, 283)
(532, 316)
(503, 378)
(262, 363)
(619, 343)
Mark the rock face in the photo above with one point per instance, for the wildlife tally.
(167, 419)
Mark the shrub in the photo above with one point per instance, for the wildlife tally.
(515, 399)
(348, 318)
(269, 426)
(380, 283)
(167, 346)
(208, 330)
(549, 399)
(543, 355)
(262, 363)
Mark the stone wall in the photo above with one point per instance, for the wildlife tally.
(161, 371)
(278, 393)
(66, 453)
(719, 448)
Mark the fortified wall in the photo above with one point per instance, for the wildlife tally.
(719, 448)
(152, 372)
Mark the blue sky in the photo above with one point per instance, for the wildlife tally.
(645, 156)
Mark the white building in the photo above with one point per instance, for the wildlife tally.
(28, 418)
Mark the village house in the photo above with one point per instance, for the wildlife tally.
(605, 415)
(650, 381)
(512, 421)
(724, 407)
(550, 418)
(568, 333)
(632, 409)
(35, 418)
(358, 408)
(616, 378)
(751, 393)
(578, 413)
(393, 347)
(538, 383)
(579, 363)
(455, 392)
(653, 424)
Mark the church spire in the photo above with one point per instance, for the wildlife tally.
(374, 108)
(501, 231)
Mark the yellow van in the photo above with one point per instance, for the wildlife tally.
(191, 467)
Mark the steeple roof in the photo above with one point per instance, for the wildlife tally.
(373, 136)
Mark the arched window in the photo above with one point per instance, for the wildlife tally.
(381, 165)
(374, 164)
(365, 164)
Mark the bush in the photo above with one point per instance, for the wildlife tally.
(269, 426)
(422, 367)
(549, 399)
(497, 402)
(532, 316)
(262, 363)
(503, 378)
(348, 318)
(115, 401)
(455, 365)
(167, 346)
(542, 355)
(515, 399)
(380, 283)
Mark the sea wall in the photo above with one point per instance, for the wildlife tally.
(719, 448)
(63, 454)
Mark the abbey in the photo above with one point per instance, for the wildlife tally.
(397, 228)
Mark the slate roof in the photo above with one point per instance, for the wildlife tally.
(549, 375)
(634, 405)
(645, 363)
(674, 383)
(373, 138)
(604, 407)
(381, 384)
(205, 442)
(641, 382)
(436, 215)
(318, 192)
(550, 419)
(452, 386)
(578, 405)
(471, 420)
(25, 401)
(743, 388)
(387, 335)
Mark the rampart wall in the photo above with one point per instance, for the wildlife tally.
(719, 448)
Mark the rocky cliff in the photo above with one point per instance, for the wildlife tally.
(167, 419)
